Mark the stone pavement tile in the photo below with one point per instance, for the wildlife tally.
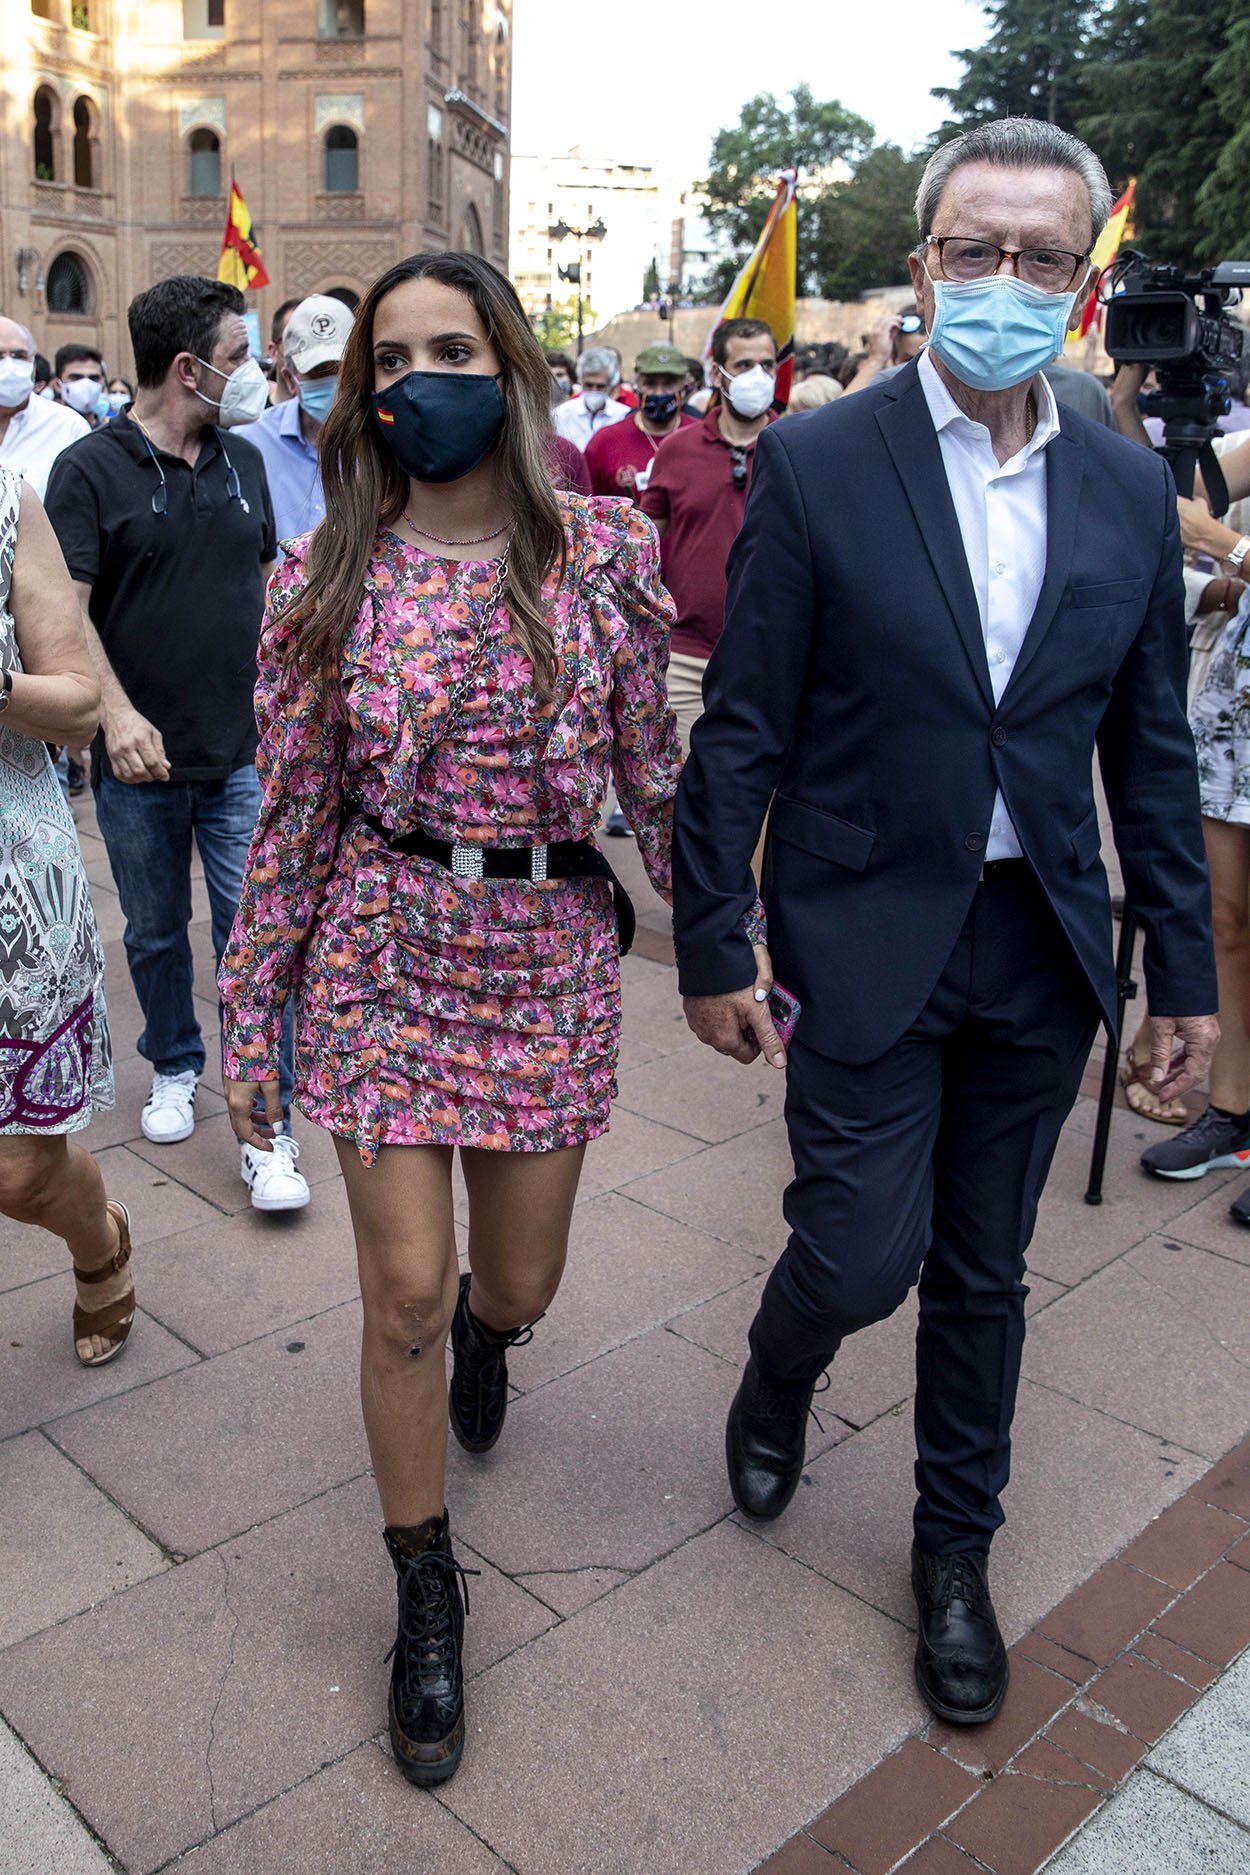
(633, 1146)
(854, 1524)
(268, 1664)
(1141, 1697)
(874, 1371)
(684, 1724)
(897, 1805)
(1208, 1225)
(39, 1832)
(234, 1440)
(705, 1094)
(159, 1206)
(1106, 1748)
(608, 1467)
(651, 1010)
(1106, 1612)
(1182, 1542)
(65, 1546)
(208, 1162)
(1018, 1821)
(108, 918)
(1160, 1340)
(1074, 1239)
(356, 1818)
(567, 1590)
(628, 1271)
(1046, 1653)
(133, 1081)
(1213, 1620)
(939, 1857)
(1044, 1759)
(802, 1856)
(244, 1277)
(1208, 1751)
(1177, 1661)
(1150, 1828)
(1034, 1697)
(733, 1191)
(40, 1379)
(1227, 1485)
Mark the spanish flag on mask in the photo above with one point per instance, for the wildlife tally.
(240, 264)
(765, 288)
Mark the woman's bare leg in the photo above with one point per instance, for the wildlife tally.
(52, 1182)
(406, 1252)
(520, 1210)
(1228, 857)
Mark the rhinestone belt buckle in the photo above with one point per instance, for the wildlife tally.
(467, 862)
(538, 863)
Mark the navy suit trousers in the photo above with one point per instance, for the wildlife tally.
(928, 1164)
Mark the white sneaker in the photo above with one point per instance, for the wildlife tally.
(271, 1177)
(170, 1113)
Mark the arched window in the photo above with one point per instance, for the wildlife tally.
(342, 19)
(84, 153)
(342, 161)
(203, 163)
(471, 232)
(69, 286)
(45, 137)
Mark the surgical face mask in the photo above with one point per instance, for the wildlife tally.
(999, 331)
(561, 388)
(439, 425)
(751, 393)
(659, 406)
(17, 379)
(82, 395)
(119, 400)
(245, 396)
(316, 395)
(594, 401)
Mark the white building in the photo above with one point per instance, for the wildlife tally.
(636, 206)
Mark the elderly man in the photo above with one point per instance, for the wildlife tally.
(620, 457)
(33, 430)
(287, 435)
(579, 418)
(943, 594)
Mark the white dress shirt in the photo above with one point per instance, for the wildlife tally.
(35, 438)
(573, 420)
(1001, 510)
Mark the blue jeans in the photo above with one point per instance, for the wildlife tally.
(148, 827)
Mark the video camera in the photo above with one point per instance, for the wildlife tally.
(1175, 322)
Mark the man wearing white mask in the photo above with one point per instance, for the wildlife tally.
(287, 434)
(33, 430)
(578, 419)
(81, 383)
(696, 496)
(166, 525)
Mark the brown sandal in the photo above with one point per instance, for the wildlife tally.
(1143, 1100)
(113, 1322)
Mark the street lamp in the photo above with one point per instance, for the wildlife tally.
(572, 274)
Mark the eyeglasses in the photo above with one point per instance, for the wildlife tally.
(738, 458)
(1053, 269)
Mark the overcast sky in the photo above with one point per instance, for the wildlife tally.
(651, 81)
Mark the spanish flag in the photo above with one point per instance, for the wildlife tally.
(240, 264)
(765, 288)
(1119, 229)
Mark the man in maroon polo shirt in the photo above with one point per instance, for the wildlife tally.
(696, 495)
(620, 457)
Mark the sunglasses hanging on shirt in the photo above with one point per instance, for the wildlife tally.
(160, 496)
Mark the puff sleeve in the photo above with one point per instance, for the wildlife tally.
(646, 749)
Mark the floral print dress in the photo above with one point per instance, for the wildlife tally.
(432, 1009)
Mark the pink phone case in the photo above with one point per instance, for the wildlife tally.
(785, 1009)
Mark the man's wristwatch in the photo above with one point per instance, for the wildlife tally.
(1238, 554)
(6, 690)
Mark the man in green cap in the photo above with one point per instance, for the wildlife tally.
(619, 457)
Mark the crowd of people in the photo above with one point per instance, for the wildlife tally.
(503, 593)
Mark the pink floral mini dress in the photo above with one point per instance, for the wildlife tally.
(433, 1009)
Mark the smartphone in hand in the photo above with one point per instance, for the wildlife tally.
(785, 1009)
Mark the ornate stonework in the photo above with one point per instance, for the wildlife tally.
(309, 262)
(340, 107)
(201, 114)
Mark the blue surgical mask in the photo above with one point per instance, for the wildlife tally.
(316, 395)
(999, 331)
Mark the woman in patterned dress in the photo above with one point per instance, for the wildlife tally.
(55, 1062)
(452, 664)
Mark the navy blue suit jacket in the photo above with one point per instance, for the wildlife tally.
(852, 684)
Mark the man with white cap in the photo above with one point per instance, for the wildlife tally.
(287, 434)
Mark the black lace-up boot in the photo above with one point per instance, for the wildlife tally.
(961, 1663)
(427, 1685)
(765, 1440)
(478, 1396)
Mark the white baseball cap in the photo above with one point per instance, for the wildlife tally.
(316, 332)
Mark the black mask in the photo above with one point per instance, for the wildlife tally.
(438, 425)
(659, 406)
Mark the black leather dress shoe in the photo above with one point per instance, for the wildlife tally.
(765, 1438)
(961, 1663)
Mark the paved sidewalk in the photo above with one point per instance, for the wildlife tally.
(194, 1598)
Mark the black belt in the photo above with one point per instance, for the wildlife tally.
(1004, 869)
(557, 859)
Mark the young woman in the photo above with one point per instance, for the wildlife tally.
(452, 664)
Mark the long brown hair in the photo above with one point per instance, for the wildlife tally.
(365, 487)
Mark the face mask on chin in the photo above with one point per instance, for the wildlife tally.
(998, 332)
(245, 395)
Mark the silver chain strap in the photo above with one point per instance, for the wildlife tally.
(458, 693)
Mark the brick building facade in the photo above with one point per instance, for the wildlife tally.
(358, 131)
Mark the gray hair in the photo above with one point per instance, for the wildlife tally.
(1014, 143)
(599, 358)
(26, 333)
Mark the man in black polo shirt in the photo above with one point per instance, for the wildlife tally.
(168, 532)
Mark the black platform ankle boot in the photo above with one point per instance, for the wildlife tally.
(427, 1684)
(477, 1399)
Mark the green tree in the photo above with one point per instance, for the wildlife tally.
(651, 280)
(814, 137)
(1030, 66)
(865, 228)
(556, 327)
(1224, 197)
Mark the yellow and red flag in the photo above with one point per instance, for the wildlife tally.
(765, 287)
(240, 264)
(1118, 230)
